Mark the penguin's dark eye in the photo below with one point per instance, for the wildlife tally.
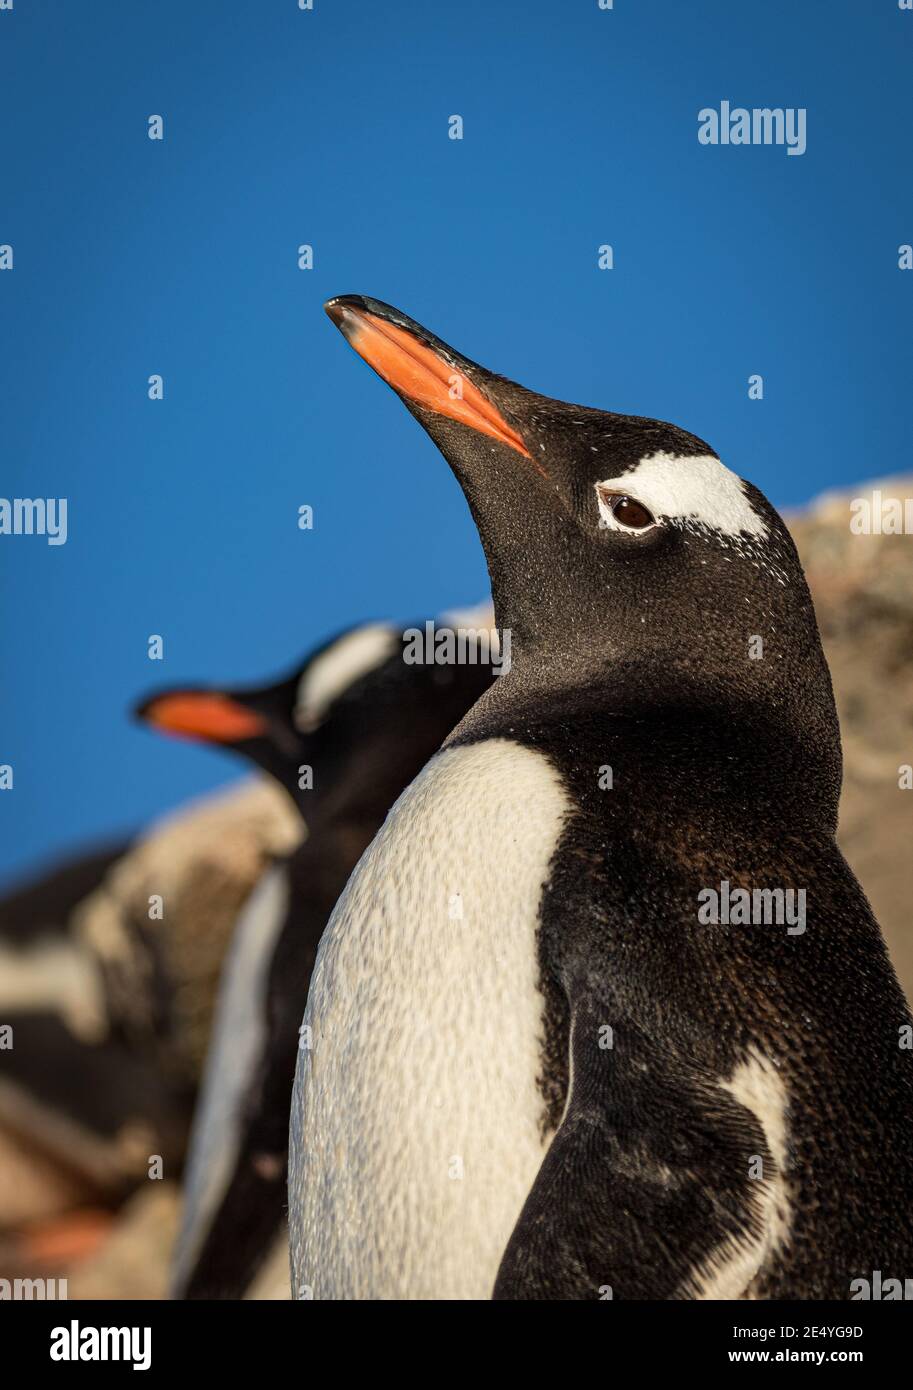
(631, 513)
(625, 513)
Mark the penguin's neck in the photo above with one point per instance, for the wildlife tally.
(678, 752)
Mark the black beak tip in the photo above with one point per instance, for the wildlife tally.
(139, 709)
(337, 307)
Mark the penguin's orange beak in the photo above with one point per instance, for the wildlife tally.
(419, 372)
(204, 714)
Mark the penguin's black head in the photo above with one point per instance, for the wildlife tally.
(615, 544)
(255, 722)
(345, 731)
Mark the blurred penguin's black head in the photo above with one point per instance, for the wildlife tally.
(347, 729)
(254, 721)
(621, 550)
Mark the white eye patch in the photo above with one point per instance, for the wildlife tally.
(328, 675)
(701, 490)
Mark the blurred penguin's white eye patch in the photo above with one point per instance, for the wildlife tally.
(331, 673)
(697, 490)
(618, 511)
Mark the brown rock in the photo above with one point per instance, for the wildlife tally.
(862, 586)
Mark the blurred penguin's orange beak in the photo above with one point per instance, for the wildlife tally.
(205, 715)
(419, 373)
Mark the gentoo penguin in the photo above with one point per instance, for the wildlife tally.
(344, 734)
(83, 1104)
(105, 1007)
(593, 1083)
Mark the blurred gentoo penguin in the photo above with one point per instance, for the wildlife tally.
(344, 734)
(581, 1085)
(82, 1103)
(109, 1009)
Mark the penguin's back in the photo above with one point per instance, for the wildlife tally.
(418, 1119)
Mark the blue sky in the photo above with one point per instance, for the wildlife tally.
(329, 127)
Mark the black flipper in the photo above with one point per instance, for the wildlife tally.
(647, 1147)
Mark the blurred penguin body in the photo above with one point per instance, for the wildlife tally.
(80, 1107)
(110, 1006)
(363, 721)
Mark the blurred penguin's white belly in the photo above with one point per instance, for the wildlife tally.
(238, 1037)
(417, 1115)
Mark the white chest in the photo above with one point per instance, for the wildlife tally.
(416, 1118)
